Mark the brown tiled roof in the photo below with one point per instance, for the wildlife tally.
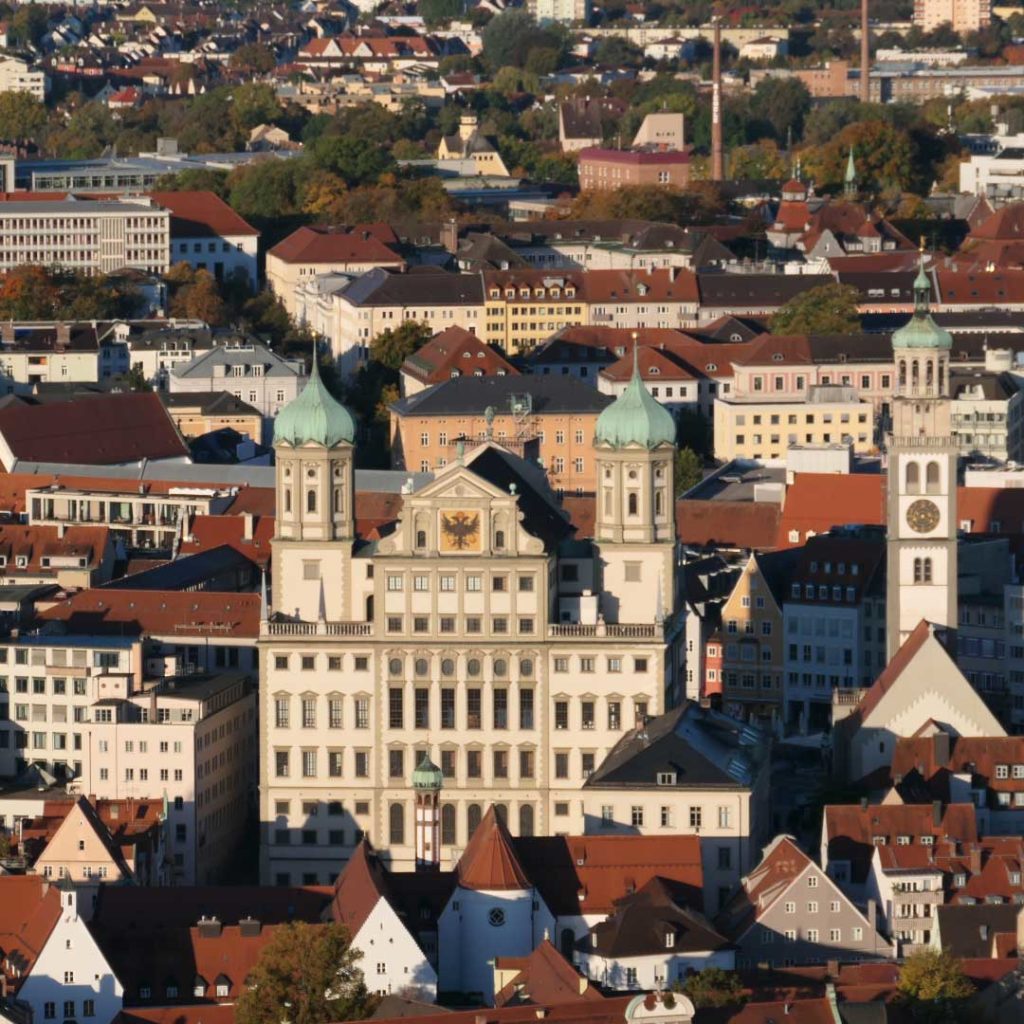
(208, 532)
(29, 910)
(935, 758)
(158, 612)
(367, 243)
(545, 978)
(201, 214)
(38, 542)
(981, 288)
(359, 887)
(101, 430)
(655, 365)
(752, 525)
(1007, 223)
(661, 285)
(850, 829)
(588, 874)
(489, 861)
(455, 352)
(815, 502)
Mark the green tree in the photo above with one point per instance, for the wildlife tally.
(393, 346)
(760, 160)
(195, 179)
(28, 26)
(884, 155)
(253, 103)
(264, 189)
(509, 38)
(693, 430)
(440, 12)
(933, 985)
(135, 379)
(200, 300)
(21, 116)
(689, 470)
(253, 59)
(827, 309)
(781, 104)
(357, 160)
(714, 987)
(306, 974)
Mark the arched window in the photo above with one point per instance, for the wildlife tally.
(929, 370)
(448, 824)
(310, 501)
(913, 373)
(369, 608)
(526, 819)
(913, 478)
(396, 824)
(918, 570)
(631, 505)
(931, 478)
(287, 499)
(926, 570)
(499, 540)
(473, 816)
(566, 942)
(421, 538)
(903, 373)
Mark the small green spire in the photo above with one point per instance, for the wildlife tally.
(921, 331)
(427, 775)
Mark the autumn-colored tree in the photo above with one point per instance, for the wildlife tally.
(934, 986)
(883, 156)
(323, 196)
(827, 309)
(306, 974)
(759, 161)
(28, 293)
(200, 300)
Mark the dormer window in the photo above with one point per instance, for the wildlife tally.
(1002, 771)
(903, 840)
(670, 940)
(959, 880)
(495, 293)
(927, 840)
(666, 778)
(21, 561)
(711, 367)
(570, 293)
(144, 992)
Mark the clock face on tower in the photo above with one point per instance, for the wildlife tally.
(923, 516)
(460, 531)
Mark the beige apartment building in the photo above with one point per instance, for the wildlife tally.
(549, 421)
(758, 429)
(92, 236)
(19, 76)
(475, 634)
(962, 16)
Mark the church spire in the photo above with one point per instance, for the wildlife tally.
(850, 178)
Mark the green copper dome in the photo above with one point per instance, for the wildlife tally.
(315, 416)
(922, 331)
(635, 417)
(426, 775)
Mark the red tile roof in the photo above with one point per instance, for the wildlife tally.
(158, 613)
(544, 978)
(200, 214)
(933, 757)
(101, 430)
(359, 887)
(29, 910)
(208, 532)
(455, 352)
(850, 830)
(752, 525)
(35, 543)
(655, 365)
(489, 861)
(661, 285)
(815, 502)
(598, 154)
(318, 243)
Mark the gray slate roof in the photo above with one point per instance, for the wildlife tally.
(378, 287)
(253, 354)
(468, 396)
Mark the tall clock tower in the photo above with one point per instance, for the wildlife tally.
(922, 478)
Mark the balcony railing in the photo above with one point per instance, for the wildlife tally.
(620, 631)
(320, 628)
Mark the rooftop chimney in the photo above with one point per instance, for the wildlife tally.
(936, 813)
(209, 928)
(940, 743)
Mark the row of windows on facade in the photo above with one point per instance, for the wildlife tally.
(835, 935)
(398, 763)
(58, 657)
(776, 439)
(473, 707)
(449, 666)
(579, 437)
(210, 247)
(809, 418)
(70, 1005)
(779, 383)
(500, 582)
(746, 680)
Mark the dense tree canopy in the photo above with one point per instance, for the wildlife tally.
(827, 309)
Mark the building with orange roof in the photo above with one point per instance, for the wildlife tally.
(76, 556)
(789, 911)
(319, 249)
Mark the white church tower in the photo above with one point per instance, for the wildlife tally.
(427, 781)
(922, 479)
(635, 523)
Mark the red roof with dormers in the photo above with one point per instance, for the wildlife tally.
(208, 532)
(993, 763)
(29, 909)
(489, 861)
(158, 613)
(85, 544)
(455, 352)
(852, 832)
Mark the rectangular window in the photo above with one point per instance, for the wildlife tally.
(526, 762)
(395, 707)
(501, 709)
(447, 708)
(309, 764)
(561, 765)
(362, 712)
(473, 716)
(396, 764)
(421, 711)
(526, 709)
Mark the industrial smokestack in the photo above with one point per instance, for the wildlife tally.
(865, 53)
(717, 171)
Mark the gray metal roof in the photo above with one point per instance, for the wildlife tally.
(379, 287)
(249, 354)
(472, 395)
